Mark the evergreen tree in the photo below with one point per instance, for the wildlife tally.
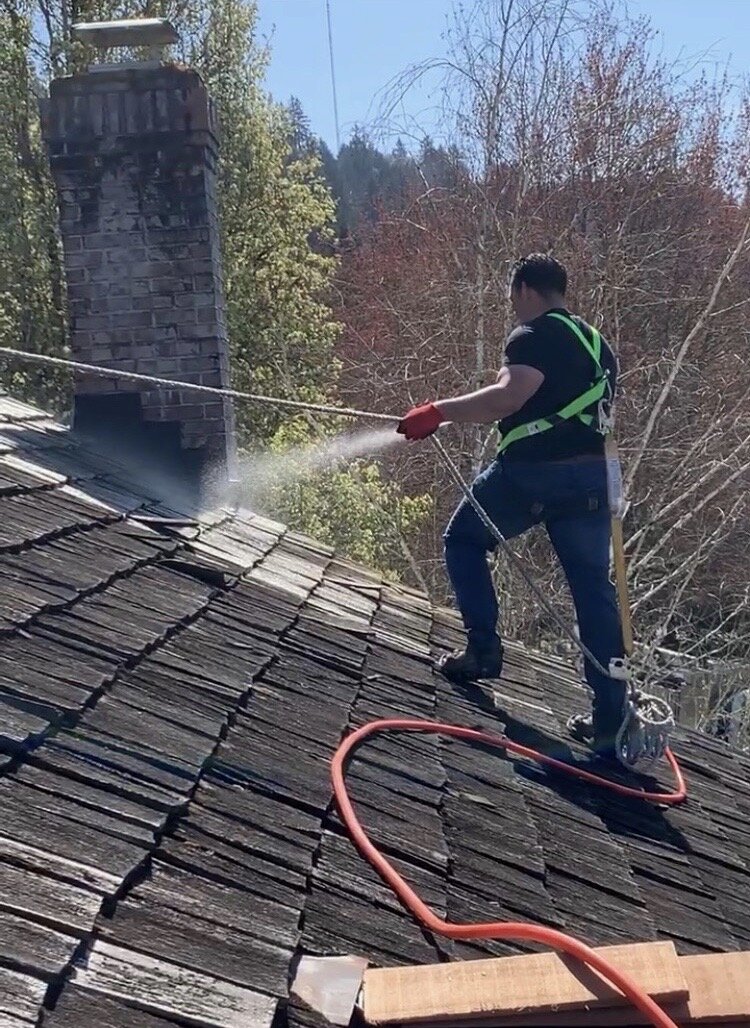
(330, 170)
(439, 167)
(270, 202)
(362, 170)
(302, 142)
(366, 181)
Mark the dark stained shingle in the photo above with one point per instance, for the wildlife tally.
(171, 691)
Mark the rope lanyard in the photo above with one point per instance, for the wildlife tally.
(512, 930)
(347, 412)
(170, 383)
(514, 559)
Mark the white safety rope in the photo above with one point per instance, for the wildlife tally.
(647, 720)
(169, 383)
(644, 733)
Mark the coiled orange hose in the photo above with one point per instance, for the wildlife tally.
(517, 930)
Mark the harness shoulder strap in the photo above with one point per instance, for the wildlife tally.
(577, 408)
(594, 347)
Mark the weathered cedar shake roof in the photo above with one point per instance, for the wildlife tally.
(171, 696)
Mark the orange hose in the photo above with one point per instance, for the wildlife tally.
(497, 929)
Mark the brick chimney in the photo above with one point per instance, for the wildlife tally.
(133, 151)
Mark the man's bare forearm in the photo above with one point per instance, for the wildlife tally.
(485, 405)
(514, 386)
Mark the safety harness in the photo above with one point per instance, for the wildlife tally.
(598, 393)
(643, 736)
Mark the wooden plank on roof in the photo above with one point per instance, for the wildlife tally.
(219, 860)
(540, 982)
(337, 921)
(236, 910)
(19, 728)
(35, 859)
(37, 687)
(127, 757)
(292, 852)
(79, 1009)
(161, 987)
(66, 830)
(91, 797)
(71, 806)
(719, 986)
(90, 766)
(199, 944)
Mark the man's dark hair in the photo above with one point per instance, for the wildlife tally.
(540, 272)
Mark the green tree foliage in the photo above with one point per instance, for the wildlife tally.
(274, 203)
(302, 142)
(277, 218)
(367, 181)
(355, 510)
(31, 315)
(363, 174)
(271, 204)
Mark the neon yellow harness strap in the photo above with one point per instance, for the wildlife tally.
(594, 347)
(577, 406)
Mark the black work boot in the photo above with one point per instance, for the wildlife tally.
(476, 662)
(600, 728)
(581, 728)
(608, 714)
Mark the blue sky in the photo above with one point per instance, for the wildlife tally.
(374, 40)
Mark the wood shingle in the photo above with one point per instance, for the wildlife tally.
(172, 687)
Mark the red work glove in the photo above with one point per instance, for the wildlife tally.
(420, 422)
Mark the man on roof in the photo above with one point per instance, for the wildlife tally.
(550, 469)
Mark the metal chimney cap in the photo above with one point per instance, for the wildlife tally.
(152, 32)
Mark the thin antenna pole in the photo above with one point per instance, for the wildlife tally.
(333, 76)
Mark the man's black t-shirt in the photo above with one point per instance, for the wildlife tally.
(551, 346)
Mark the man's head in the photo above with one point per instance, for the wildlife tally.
(538, 283)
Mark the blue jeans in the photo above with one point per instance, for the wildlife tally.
(561, 495)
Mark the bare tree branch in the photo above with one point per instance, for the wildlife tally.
(679, 359)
